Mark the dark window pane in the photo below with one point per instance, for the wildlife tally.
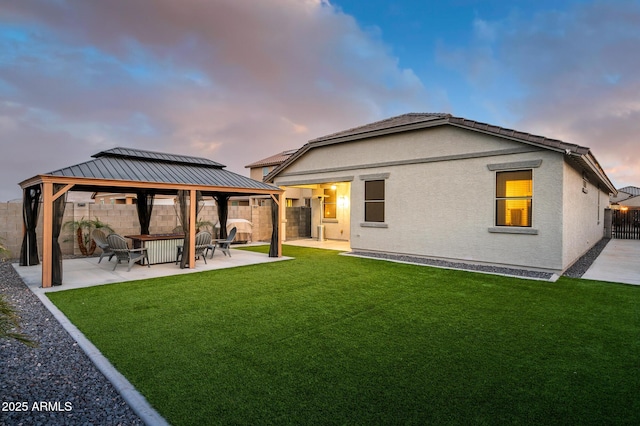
(374, 211)
(374, 190)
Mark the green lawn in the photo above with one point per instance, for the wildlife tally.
(329, 339)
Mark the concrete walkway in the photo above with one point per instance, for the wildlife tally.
(619, 262)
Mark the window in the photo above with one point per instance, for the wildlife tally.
(514, 198)
(374, 201)
(265, 171)
(329, 211)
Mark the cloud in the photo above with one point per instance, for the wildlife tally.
(576, 77)
(220, 78)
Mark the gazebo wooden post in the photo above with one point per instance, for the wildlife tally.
(193, 205)
(47, 233)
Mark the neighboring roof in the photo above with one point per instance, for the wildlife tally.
(274, 160)
(416, 121)
(156, 167)
(631, 190)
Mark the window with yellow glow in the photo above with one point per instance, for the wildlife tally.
(514, 193)
(329, 211)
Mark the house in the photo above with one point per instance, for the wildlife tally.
(628, 197)
(258, 170)
(444, 187)
(261, 168)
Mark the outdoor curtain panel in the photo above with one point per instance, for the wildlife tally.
(30, 209)
(144, 206)
(273, 247)
(222, 201)
(58, 212)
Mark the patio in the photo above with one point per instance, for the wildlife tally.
(86, 272)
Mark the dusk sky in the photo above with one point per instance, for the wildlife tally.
(239, 80)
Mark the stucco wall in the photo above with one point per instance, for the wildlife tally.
(446, 209)
(583, 217)
(444, 206)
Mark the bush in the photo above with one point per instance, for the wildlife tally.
(83, 229)
(9, 320)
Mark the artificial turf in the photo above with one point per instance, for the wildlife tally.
(329, 339)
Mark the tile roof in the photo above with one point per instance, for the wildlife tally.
(409, 122)
(274, 160)
(147, 166)
(633, 190)
(415, 121)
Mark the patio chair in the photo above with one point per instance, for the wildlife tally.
(123, 252)
(101, 241)
(222, 243)
(203, 240)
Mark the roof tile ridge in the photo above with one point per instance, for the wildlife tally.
(377, 123)
(530, 137)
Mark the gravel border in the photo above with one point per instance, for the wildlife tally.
(578, 269)
(57, 372)
(521, 273)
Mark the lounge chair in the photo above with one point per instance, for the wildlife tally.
(123, 252)
(101, 241)
(203, 240)
(222, 243)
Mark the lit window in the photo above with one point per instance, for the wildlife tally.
(514, 192)
(374, 201)
(329, 211)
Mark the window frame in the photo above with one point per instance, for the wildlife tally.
(376, 201)
(334, 204)
(497, 199)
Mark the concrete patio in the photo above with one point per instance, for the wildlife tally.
(86, 272)
(619, 262)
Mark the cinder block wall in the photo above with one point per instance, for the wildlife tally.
(123, 219)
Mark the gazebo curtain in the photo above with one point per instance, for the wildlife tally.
(182, 210)
(222, 200)
(30, 210)
(58, 212)
(273, 247)
(144, 207)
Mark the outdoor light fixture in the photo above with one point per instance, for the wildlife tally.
(343, 201)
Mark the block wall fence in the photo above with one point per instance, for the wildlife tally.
(123, 218)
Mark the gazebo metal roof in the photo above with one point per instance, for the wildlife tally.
(134, 165)
(133, 170)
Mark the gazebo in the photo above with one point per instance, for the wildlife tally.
(145, 173)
